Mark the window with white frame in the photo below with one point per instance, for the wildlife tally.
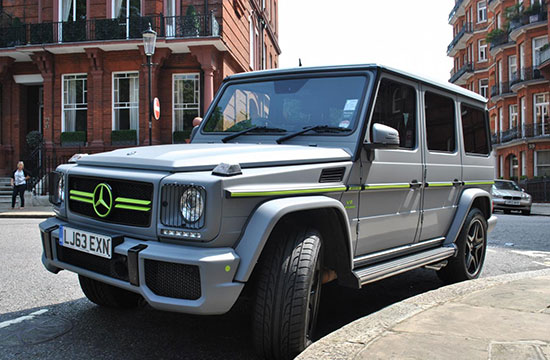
(512, 68)
(186, 100)
(72, 10)
(542, 163)
(482, 50)
(251, 41)
(75, 102)
(126, 101)
(538, 44)
(484, 87)
(513, 116)
(541, 114)
(481, 11)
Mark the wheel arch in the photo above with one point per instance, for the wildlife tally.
(326, 214)
(470, 198)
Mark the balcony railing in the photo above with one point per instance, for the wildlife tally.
(463, 70)
(501, 89)
(544, 55)
(526, 74)
(528, 19)
(466, 29)
(522, 132)
(455, 9)
(109, 29)
(499, 40)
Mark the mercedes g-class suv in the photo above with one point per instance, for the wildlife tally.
(295, 178)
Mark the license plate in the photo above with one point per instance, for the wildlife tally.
(85, 241)
(512, 202)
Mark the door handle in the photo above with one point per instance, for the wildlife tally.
(456, 182)
(415, 184)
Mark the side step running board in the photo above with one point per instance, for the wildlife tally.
(386, 269)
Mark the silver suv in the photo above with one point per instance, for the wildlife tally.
(295, 178)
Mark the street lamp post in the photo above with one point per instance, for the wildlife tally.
(149, 39)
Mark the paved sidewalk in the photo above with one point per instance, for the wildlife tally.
(35, 212)
(497, 318)
(540, 209)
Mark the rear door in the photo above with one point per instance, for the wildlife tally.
(443, 165)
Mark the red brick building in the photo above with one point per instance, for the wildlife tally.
(500, 50)
(73, 69)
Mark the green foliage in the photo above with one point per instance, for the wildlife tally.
(533, 9)
(34, 139)
(514, 12)
(73, 137)
(215, 122)
(180, 136)
(495, 35)
(192, 21)
(523, 177)
(123, 136)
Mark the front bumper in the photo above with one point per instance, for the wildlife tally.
(150, 268)
(501, 204)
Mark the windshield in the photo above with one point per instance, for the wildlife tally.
(507, 185)
(289, 105)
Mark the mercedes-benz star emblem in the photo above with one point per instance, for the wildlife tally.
(103, 200)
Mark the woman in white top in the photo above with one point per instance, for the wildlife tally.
(19, 182)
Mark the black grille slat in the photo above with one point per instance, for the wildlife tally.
(170, 214)
(121, 188)
(512, 198)
(332, 175)
(117, 267)
(180, 281)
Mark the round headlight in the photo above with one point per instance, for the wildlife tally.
(61, 189)
(192, 205)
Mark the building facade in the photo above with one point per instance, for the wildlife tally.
(500, 50)
(73, 70)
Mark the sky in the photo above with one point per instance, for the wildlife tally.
(410, 35)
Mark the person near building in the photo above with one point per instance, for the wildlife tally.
(19, 182)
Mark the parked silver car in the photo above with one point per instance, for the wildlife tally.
(508, 196)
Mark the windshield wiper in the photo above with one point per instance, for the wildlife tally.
(317, 128)
(253, 128)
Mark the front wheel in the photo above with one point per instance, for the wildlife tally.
(107, 295)
(471, 246)
(288, 292)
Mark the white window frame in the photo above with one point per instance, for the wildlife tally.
(500, 116)
(484, 88)
(513, 113)
(512, 67)
(251, 41)
(194, 106)
(482, 12)
(544, 110)
(536, 49)
(481, 50)
(523, 164)
(536, 160)
(113, 107)
(76, 105)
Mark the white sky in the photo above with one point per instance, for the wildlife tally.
(410, 35)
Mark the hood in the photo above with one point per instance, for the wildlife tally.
(204, 157)
(500, 192)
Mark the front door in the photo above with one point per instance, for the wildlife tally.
(389, 210)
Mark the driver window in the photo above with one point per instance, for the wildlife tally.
(396, 107)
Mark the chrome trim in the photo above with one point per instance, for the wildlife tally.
(369, 258)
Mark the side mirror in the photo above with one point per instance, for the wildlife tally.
(383, 136)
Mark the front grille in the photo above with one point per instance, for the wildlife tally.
(135, 211)
(332, 175)
(180, 281)
(117, 267)
(512, 197)
(170, 212)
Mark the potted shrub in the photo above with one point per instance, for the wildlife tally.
(123, 137)
(191, 22)
(181, 137)
(34, 139)
(73, 138)
(497, 37)
(533, 12)
(514, 15)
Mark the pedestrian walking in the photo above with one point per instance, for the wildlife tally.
(19, 182)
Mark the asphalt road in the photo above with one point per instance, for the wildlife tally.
(61, 324)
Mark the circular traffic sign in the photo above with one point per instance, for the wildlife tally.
(156, 108)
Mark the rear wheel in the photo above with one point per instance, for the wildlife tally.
(526, 212)
(107, 295)
(288, 292)
(507, 211)
(471, 246)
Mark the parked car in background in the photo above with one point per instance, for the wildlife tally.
(508, 196)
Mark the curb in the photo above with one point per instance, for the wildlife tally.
(347, 342)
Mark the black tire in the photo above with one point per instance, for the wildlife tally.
(471, 245)
(507, 211)
(526, 212)
(288, 289)
(107, 295)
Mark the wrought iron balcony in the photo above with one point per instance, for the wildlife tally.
(499, 40)
(500, 89)
(455, 9)
(544, 55)
(463, 70)
(109, 29)
(526, 74)
(526, 131)
(467, 28)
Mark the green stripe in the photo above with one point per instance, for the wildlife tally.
(389, 186)
(81, 193)
(132, 207)
(439, 184)
(287, 192)
(480, 182)
(355, 188)
(81, 199)
(132, 201)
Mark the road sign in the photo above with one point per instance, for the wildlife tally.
(156, 108)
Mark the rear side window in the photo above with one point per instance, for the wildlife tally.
(474, 128)
(440, 122)
(396, 107)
